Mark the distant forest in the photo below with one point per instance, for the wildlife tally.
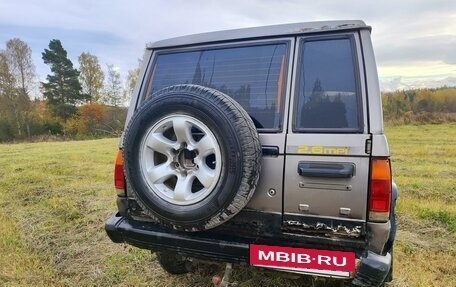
(89, 102)
(420, 106)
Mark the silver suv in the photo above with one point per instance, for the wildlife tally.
(262, 146)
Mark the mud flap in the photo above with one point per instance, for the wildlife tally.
(373, 270)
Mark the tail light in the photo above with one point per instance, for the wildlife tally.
(119, 178)
(380, 190)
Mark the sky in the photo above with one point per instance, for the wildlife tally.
(413, 39)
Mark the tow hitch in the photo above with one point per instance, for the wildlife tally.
(225, 281)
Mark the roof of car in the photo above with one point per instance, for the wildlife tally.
(259, 32)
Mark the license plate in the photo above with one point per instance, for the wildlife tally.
(303, 260)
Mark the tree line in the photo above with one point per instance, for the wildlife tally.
(84, 102)
(420, 106)
(87, 102)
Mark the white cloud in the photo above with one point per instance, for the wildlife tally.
(404, 32)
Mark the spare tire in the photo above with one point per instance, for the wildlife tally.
(192, 157)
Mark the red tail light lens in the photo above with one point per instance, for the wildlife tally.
(119, 179)
(380, 190)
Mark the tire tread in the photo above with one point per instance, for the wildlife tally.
(247, 135)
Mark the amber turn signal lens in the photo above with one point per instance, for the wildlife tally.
(380, 190)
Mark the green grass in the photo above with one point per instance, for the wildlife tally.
(424, 168)
(55, 198)
(442, 216)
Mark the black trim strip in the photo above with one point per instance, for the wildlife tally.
(272, 151)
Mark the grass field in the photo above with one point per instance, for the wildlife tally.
(55, 197)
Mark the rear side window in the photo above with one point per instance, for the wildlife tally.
(328, 94)
(254, 76)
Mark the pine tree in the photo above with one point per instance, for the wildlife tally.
(62, 90)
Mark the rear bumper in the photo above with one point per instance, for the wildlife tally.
(230, 248)
(148, 236)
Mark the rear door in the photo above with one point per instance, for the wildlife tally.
(327, 145)
(256, 74)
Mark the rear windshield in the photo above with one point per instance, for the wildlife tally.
(328, 96)
(254, 76)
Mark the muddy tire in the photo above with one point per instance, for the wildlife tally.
(192, 157)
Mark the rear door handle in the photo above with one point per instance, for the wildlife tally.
(326, 169)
